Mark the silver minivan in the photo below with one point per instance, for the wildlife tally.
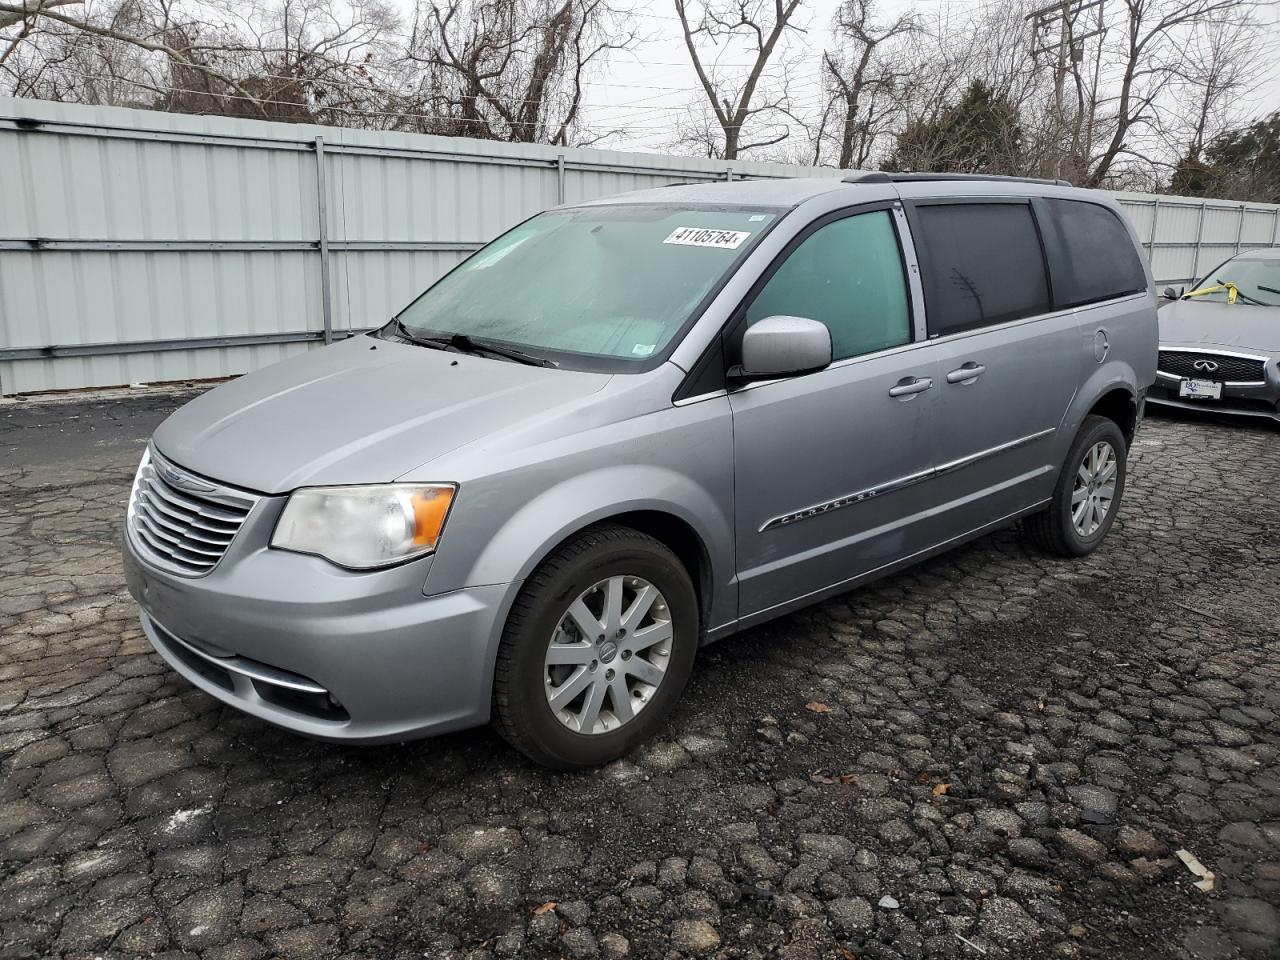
(630, 427)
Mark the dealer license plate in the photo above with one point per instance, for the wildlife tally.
(1201, 389)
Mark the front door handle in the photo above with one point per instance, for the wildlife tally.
(910, 386)
(967, 373)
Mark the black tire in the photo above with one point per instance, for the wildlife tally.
(521, 713)
(1052, 529)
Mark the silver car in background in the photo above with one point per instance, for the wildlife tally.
(1220, 340)
(633, 426)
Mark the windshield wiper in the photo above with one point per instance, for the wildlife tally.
(1240, 294)
(404, 333)
(464, 343)
(1268, 289)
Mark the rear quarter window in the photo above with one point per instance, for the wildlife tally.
(1092, 256)
(981, 263)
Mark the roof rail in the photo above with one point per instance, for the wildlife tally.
(880, 176)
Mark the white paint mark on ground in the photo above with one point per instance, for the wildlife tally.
(181, 818)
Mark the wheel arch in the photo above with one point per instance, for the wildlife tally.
(683, 540)
(1119, 404)
(685, 517)
(1111, 392)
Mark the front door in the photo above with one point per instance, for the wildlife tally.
(831, 468)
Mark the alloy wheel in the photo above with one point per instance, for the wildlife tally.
(608, 655)
(1095, 488)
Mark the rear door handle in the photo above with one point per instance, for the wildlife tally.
(967, 373)
(909, 386)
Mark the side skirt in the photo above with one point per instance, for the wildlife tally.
(843, 586)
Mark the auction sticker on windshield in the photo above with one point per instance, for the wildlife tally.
(705, 237)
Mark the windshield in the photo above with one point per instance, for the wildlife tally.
(1257, 282)
(615, 282)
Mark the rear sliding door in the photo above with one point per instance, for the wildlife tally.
(1009, 361)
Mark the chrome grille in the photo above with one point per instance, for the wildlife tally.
(1226, 367)
(181, 522)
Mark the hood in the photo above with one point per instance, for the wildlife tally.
(1240, 326)
(352, 414)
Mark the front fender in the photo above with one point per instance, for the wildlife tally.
(539, 525)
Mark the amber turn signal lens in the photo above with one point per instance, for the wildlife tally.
(429, 509)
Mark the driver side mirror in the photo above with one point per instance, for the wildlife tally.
(781, 346)
(1171, 294)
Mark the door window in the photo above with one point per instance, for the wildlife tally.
(1094, 257)
(848, 275)
(981, 263)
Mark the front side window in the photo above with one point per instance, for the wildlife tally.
(848, 275)
(1256, 282)
(610, 285)
(1095, 257)
(981, 264)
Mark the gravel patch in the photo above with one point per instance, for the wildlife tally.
(1013, 748)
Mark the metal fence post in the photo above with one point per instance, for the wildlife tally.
(1151, 244)
(560, 178)
(326, 305)
(1195, 256)
(728, 174)
(1275, 227)
(1240, 228)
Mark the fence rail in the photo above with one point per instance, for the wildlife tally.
(144, 246)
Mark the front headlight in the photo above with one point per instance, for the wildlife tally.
(365, 527)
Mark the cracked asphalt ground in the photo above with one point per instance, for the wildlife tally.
(993, 753)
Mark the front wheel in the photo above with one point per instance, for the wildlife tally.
(1088, 492)
(597, 649)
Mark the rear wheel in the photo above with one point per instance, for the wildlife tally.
(597, 649)
(1088, 492)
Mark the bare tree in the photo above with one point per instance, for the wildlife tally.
(300, 60)
(862, 80)
(512, 69)
(1152, 52)
(499, 69)
(1226, 60)
(1135, 96)
(758, 25)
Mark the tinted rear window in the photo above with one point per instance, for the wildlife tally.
(1093, 256)
(981, 263)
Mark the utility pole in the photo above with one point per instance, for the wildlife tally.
(1067, 50)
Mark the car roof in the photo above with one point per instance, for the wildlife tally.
(780, 192)
(791, 191)
(1262, 253)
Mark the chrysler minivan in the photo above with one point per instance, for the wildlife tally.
(630, 427)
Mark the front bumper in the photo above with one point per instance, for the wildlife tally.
(1256, 396)
(1262, 400)
(295, 641)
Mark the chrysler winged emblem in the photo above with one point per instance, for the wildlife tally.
(185, 481)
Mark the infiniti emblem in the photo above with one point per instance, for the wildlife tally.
(185, 482)
(1205, 366)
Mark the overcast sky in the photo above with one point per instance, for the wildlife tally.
(644, 91)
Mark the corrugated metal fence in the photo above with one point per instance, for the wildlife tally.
(140, 246)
